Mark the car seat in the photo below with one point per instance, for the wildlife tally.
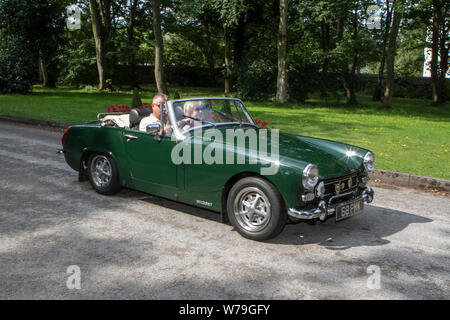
(136, 116)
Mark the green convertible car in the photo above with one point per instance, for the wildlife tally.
(209, 153)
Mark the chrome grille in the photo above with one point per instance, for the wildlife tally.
(341, 185)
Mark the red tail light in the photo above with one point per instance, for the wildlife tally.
(64, 136)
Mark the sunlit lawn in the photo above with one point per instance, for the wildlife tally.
(412, 137)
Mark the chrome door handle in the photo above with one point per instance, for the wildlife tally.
(130, 137)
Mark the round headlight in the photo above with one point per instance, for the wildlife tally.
(369, 161)
(310, 176)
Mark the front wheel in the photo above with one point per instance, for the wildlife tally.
(103, 174)
(255, 208)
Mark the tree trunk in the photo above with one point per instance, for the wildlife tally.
(349, 77)
(228, 71)
(349, 81)
(439, 53)
(325, 46)
(340, 29)
(43, 73)
(282, 81)
(377, 92)
(210, 47)
(436, 97)
(210, 60)
(159, 47)
(132, 45)
(46, 76)
(443, 53)
(239, 39)
(100, 41)
(390, 58)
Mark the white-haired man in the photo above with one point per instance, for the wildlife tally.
(155, 117)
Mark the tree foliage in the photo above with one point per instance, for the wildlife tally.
(228, 42)
(29, 30)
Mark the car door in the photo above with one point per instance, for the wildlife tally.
(151, 167)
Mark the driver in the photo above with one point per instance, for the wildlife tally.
(155, 117)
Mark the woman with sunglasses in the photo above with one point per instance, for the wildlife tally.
(192, 109)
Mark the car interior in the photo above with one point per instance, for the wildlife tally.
(129, 121)
(136, 115)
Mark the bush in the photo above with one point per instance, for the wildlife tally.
(16, 68)
(136, 102)
(257, 80)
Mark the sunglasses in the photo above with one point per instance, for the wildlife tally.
(198, 109)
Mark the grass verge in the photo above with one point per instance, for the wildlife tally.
(412, 137)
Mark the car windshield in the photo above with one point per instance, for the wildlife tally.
(193, 113)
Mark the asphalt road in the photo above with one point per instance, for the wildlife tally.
(136, 246)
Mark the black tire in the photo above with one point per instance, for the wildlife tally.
(103, 183)
(255, 196)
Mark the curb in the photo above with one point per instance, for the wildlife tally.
(408, 180)
(35, 122)
(400, 179)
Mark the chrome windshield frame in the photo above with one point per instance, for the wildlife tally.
(181, 135)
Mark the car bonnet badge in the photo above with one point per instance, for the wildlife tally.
(337, 188)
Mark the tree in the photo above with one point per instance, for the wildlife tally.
(227, 59)
(30, 32)
(16, 66)
(198, 22)
(131, 42)
(282, 81)
(377, 92)
(348, 71)
(336, 44)
(390, 58)
(231, 15)
(101, 17)
(439, 47)
(159, 47)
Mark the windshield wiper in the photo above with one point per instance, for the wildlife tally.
(197, 119)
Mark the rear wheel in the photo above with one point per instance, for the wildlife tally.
(103, 174)
(255, 208)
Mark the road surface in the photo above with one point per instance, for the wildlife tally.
(136, 246)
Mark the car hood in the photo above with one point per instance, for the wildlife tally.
(333, 159)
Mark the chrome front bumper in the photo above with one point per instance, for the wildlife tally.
(323, 210)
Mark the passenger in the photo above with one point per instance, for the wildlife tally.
(155, 117)
(193, 109)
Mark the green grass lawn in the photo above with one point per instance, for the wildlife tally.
(413, 137)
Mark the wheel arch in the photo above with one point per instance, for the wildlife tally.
(86, 153)
(230, 183)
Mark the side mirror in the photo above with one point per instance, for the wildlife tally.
(153, 128)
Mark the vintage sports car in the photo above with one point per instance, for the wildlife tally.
(313, 179)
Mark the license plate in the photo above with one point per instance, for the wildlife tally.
(350, 209)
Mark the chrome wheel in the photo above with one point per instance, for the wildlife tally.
(101, 171)
(252, 209)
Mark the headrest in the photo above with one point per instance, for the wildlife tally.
(137, 114)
